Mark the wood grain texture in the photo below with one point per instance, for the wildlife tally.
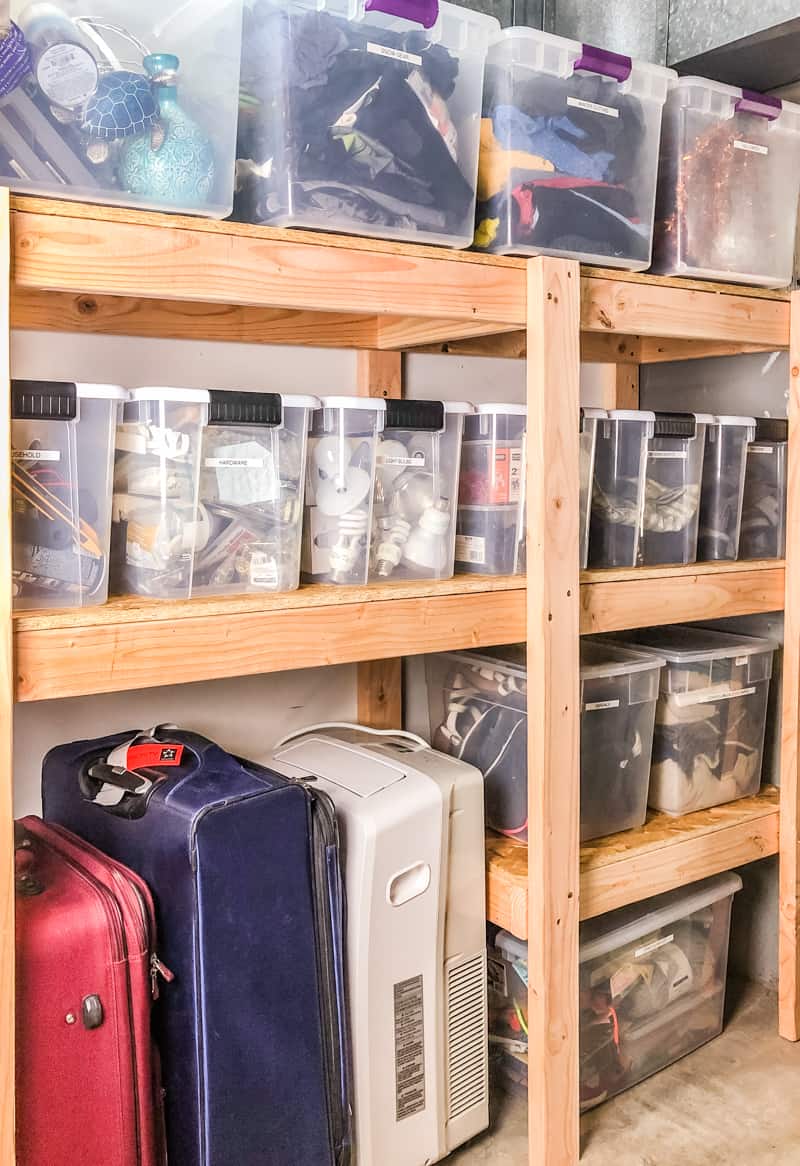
(596, 347)
(553, 374)
(626, 868)
(680, 597)
(7, 949)
(654, 351)
(789, 894)
(654, 309)
(379, 374)
(109, 255)
(154, 644)
(619, 385)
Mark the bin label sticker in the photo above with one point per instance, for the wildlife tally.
(409, 1047)
(761, 449)
(676, 455)
(263, 570)
(595, 705)
(416, 459)
(234, 463)
(710, 695)
(37, 455)
(67, 75)
(750, 147)
(740, 660)
(471, 548)
(394, 54)
(592, 107)
(641, 952)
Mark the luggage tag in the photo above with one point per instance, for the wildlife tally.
(123, 762)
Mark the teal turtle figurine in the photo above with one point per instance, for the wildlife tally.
(122, 106)
(179, 170)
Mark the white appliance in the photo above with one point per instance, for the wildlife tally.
(411, 823)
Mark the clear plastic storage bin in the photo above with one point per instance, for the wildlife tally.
(490, 531)
(652, 988)
(118, 103)
(569, 150)
(416, 490)
(156, 523)
(764, 503)
(340, 484)
(252, 479)
(673, 477)
(62, 441)
(619, 691)
(723, 483)
(618, 489)
(709, 734)
(362, 116)
(588, 438)
(728, 184)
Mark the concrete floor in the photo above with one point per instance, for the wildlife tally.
(735, 1102)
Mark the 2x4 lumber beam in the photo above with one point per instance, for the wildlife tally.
(659, 351)
(7, 947)
(379, 683)
(150, 258)
(553, 374)
(789, 894)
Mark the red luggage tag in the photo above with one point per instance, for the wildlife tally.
(153, 754)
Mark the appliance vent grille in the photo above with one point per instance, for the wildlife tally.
(467, 1058)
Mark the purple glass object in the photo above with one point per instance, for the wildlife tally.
(15, 60)
(759, 104)
(424, 12)
(594, 60)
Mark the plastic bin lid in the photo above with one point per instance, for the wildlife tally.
(680, 424)
(375, 403)
(167, 393)
(735, 93)
(600, 658)
(594, 414)
(509, 659)
(458, 407)
(680, 644)
(102, 392)
(298, 401)
(772, 429)
(620, 928)
(725, 420)
(505, 408)
(509, 946)
(562, 51)
(630, 415)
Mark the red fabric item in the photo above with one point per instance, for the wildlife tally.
(84, 928)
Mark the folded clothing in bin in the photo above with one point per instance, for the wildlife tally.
(652, 988)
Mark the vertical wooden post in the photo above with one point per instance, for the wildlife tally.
(620, 386)
(6, 718)
(380, 682)
(553, 372)
(789, 928)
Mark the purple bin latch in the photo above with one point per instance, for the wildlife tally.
(759, 104)
(424, 12)
(594, 60)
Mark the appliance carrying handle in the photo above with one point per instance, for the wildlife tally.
(607, 64)
(397, 734)
(424, 12)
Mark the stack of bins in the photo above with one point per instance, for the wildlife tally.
(711, 715)
(569, 151)
(673, 477)
(252, 479)
(652, 988)
(416, 490)
(764, 503)
(618, 487)
(728, 185)
(62, 439)
(727, 440)
(490, 537)
(134, 104)
(362, 116)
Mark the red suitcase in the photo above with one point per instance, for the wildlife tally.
(87, 1086)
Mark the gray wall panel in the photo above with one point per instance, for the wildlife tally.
(637, 28)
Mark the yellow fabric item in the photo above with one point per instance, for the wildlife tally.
(496, 164)
(486, 232)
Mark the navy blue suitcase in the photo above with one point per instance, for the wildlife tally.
(244, 869)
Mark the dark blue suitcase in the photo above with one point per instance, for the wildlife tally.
(244, 869)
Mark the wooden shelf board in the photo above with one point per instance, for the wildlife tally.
(133, 643)
(625, 868)
(641, 597)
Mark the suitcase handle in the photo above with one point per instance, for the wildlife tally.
(25, 882)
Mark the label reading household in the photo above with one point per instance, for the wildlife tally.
(263, 570)
(760, 449)
(394, 54)
(710, 695)
(497, 976)
(37, 455)
(409, 1047)
(750, 147)
(641, 952)
(594, 705)
(239, 463)
(592, 107)
(471, 548)
(415, 459)
(67, 75)
(674, 455)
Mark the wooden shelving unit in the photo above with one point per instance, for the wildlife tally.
(121, 272)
